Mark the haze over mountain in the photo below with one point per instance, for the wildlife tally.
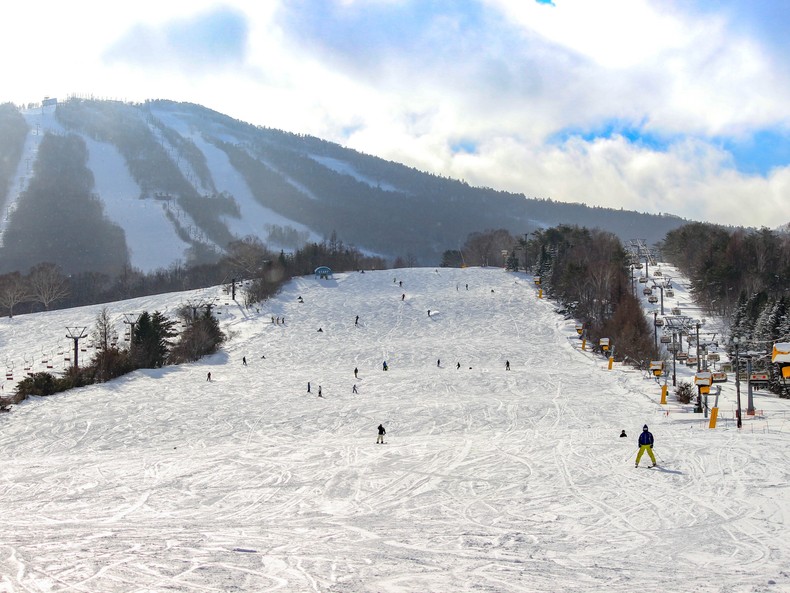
(98, 185)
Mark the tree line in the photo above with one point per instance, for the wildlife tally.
(46, 286)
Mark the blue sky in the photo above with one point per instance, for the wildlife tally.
(652, 105)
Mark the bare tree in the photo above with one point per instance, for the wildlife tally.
(486, 248)
(246, 256)
(47, 284)
(104, 333)
(13, 290)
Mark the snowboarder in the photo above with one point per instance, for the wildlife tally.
(354, 389)
(244, 360)
(300, 299)
(507, 365)
(382, 432)
(356, 370)
(384, 366)
(622, 434)
(208, 376)
(645, 444)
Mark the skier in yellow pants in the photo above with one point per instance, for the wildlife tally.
(645, 444)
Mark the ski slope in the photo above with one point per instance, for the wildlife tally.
(491, 480)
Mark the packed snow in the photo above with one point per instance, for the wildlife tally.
(490, 479)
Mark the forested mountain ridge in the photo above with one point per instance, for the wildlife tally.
(162, 182)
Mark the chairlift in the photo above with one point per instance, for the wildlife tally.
(669, 292)
(665, 339)
(652, 299)
(643, 279)
(714, 357)
(682, 355)
(657, 273)
(659, 321)
(691, 361)
(676, 311)
(638, 266)
(647, 291)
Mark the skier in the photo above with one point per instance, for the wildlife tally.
(308, 387)
(507, 365)
(356, 370)
(356, 321)
(300, 299)
(208, 376)
(384, 366)
(622, 434)
(438, 362)
(645, 444)
(244, 360)
(400, 283)
(319, 391)
(403, 297)
(382, 432)
(429, 312)
(458, 366)
(354, 389)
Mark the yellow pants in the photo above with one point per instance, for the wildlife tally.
(649, 450)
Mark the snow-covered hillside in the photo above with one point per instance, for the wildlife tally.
(491, 480)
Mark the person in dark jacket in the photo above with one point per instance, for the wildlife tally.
(645, 444)
(622, 434)
(382, 432)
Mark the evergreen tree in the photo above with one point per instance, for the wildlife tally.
(152, 340)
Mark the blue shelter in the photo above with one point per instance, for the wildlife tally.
(323, 272)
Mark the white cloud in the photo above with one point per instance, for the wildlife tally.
(504, 81)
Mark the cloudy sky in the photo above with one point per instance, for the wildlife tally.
(676, 106)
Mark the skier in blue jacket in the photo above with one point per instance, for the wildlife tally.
(645, 444)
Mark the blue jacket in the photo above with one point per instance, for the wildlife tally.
(646, 438)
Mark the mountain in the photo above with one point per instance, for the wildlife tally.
(491, 480)
(97, 185)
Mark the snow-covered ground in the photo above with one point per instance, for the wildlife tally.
(491, 480)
